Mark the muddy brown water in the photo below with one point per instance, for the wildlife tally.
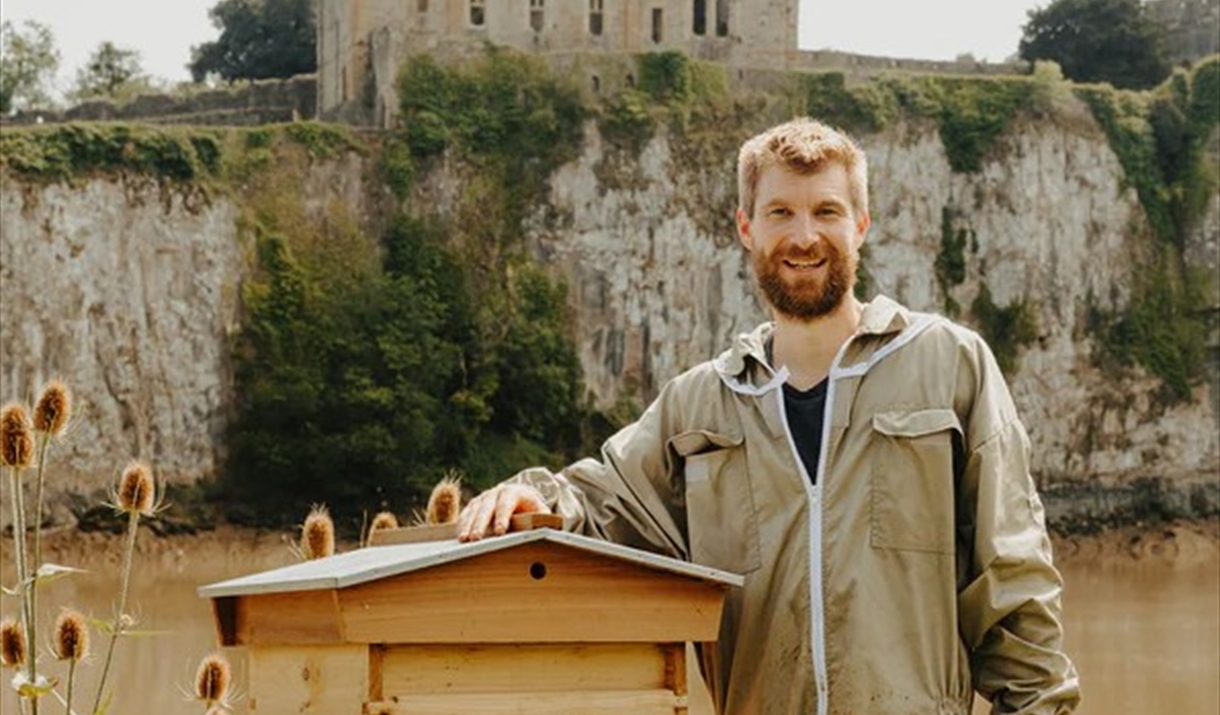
(1145, 633)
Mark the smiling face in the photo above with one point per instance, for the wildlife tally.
(804, 236)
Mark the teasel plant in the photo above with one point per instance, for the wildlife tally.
(17, 455)
(317, 535)
(136, 496)
(382, 521)
(70, 643)
(214, 685)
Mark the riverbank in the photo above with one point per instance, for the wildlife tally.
(232, 549)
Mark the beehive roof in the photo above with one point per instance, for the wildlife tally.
(378, 562)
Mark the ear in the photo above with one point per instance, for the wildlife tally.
(862, 229)
(743, 230)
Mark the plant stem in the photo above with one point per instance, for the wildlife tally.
(133, 523)
(45, 443)
(68, 695)
(25, 589)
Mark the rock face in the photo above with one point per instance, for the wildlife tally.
(130, 292)
(660, 283)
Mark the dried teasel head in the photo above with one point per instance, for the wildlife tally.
(137, 491)
(446, 501)
(317, 534)
(383, 520)
(71, 640)
(16, 437)
(53, 409)
(212, 679)
(12, 643)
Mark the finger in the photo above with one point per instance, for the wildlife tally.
(479, 514)
(506, 506)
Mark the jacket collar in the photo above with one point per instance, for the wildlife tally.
(744, 366)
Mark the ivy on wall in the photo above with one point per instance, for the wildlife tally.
(1160, 138)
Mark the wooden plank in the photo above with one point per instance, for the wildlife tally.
(535, 520)
(675, 667)
(413, 534)
(296, 617)
(445, 532)
(594, 702)
(438, 669)
(308, 680)
(377, 656)
(536, 592)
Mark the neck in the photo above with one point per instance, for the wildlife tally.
(807, 348)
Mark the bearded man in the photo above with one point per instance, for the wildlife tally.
(861, 465)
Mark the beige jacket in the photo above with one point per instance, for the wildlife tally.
(916, 571)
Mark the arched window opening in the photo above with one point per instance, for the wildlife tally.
(478, 12)
(700, 24)
(722, 18)
(596, 11)
(658, 24)
(537, 15)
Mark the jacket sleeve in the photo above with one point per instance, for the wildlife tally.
(1009, 601)
(633, 495)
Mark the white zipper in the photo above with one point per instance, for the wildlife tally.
(813, 491)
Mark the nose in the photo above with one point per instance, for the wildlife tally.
(805, 231)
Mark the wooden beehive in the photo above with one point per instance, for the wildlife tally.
(541, 622)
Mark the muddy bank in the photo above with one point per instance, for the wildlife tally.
(234, 550)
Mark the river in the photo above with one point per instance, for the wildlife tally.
(1142, 625)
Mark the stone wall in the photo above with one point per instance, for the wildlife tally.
(244, 104)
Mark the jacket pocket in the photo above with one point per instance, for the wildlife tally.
(722, 525)
(912, 480)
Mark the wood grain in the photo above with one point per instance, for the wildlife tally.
(538, 592)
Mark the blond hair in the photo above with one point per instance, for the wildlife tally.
(803, 146)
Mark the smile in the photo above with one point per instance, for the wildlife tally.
(804, 265)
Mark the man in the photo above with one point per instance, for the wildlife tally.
(862, 466)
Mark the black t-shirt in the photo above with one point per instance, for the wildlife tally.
(806, 412)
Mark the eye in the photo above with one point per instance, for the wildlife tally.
(829, 211)
(778, 212)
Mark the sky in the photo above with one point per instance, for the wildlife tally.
(163, 31)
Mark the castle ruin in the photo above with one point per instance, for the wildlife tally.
(363, 43)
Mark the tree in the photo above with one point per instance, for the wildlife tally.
(259, 39)
(110, 72)
(1113, 41)
(28, 63)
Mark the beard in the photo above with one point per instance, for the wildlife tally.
(806, 298)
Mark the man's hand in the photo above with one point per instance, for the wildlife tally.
(490, 512)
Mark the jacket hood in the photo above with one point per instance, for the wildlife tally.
(744, 366)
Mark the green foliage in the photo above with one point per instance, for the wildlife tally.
(322, 141)
(973, 112)
(951, 259)
(867, 108)
(1113, 41)
(361, 390)
(1161, 328)
(666, 76)
(503, 112)
(28, 63)
(259, 39)
(66, 152)
(626, 121)
(1006, 329)
(110, 72)
(1159, 139)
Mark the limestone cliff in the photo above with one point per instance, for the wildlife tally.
(131, 292)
